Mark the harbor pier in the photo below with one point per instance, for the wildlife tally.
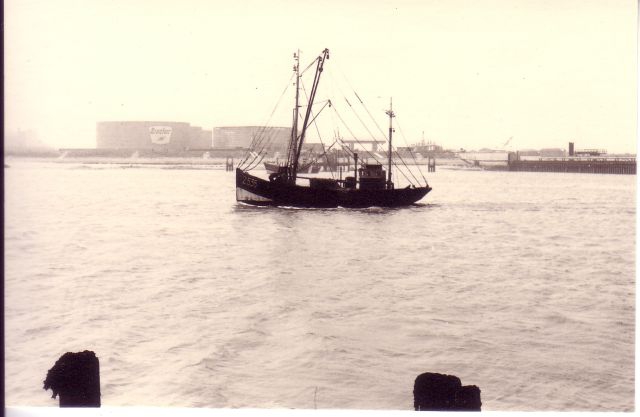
(585, 165)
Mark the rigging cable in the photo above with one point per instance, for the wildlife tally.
(258, 156)
(354, 137)
(257, 140)
(360, 119)
(309, 66)
(269, 135)
(360, 143)
(411, 153)
(305, 124)
(328, 102)
(345, 124)
(386, 139)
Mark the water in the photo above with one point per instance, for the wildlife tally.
(519, 283)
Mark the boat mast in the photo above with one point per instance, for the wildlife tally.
(391, 116)
(294, 125)
(305, 123)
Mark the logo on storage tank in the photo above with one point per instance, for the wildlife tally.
(160, 135)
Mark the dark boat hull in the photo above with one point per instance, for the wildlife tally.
(257, 191)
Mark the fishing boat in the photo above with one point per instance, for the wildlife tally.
(369, 186)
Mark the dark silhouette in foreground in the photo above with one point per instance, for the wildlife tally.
(438, 392)
(76, 377)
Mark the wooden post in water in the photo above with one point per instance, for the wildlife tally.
(438, 392)
(76, 377)
(229, 163)
(431, 164)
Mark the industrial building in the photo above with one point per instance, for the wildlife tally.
(274, 139)
(163, 137)
(170, 137)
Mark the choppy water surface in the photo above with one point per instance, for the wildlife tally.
(519, 283)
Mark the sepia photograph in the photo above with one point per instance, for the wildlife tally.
(334, 206)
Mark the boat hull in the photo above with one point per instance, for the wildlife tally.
(257, 191)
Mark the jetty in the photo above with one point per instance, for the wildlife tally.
(579, 165)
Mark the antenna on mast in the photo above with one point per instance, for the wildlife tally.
(391, 115)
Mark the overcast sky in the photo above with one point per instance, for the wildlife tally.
(468, 74)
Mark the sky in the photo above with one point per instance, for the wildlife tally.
(463, 74)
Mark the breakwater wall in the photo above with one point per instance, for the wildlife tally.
(626, 166)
